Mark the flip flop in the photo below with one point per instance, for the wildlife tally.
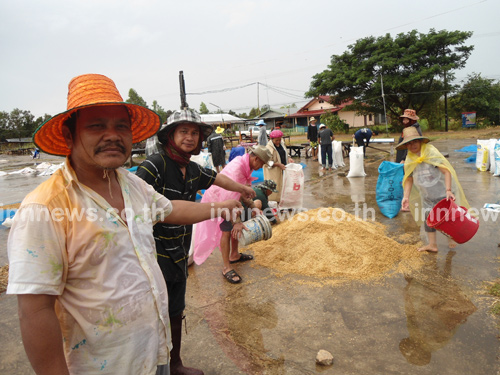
(243, 258)
(229, 275)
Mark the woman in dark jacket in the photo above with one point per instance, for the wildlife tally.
(409, 118)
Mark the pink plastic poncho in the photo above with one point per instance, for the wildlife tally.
(208, 234)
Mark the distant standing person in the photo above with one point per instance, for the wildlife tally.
(262, 133)
(312, 136)
(363, 136)
(408, 118)
(215, 144)
(280, 159)
(325, 139)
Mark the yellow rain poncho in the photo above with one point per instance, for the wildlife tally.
(430, 155)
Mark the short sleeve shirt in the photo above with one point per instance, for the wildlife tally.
(112, 299)
(173, 241)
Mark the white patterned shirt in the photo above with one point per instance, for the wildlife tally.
(112, 299)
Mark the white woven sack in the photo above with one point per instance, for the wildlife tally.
(356, 162)
(482, 156)
(337, 153)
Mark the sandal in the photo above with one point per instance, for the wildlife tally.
(230, 275)
(243, 258)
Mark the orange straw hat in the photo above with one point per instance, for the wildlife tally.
(91, 90)
(410, 113)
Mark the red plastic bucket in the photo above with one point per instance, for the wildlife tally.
(452, 220)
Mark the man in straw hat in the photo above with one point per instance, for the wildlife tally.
(408, 118)
(215, 144)
(91, 296)
(172, 174)
(222, 233)
(428, 178)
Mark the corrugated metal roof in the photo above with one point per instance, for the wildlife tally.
(219, 118)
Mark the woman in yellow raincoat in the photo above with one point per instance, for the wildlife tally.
(428, 178)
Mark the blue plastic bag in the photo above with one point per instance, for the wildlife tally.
(389, 191)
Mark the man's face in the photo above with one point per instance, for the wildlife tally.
(406, 121)
(415, 146)
(187, 136)
(255, 162)
(102, 137)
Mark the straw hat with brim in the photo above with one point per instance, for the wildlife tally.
(183, 116)
(263, 153)
(410, 134)
(410, 113)
(219, 130)
(312, 119)
(93, 90)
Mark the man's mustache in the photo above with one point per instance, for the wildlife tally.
(117, 145)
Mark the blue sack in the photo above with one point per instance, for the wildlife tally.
(389, 191)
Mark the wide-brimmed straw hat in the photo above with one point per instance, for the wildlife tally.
(410, 134)
(183, 116)
(219, 130)
(410, 113)
(91, 90)
(312, 119)
(262, 152)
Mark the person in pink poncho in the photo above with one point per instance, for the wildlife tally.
(221, 233)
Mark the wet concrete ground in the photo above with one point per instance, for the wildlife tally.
(432, 321)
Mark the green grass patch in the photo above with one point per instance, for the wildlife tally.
(495, 290)
(495, 310)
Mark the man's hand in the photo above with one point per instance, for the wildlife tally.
(247, 192)
(229, 209)
(237, 229)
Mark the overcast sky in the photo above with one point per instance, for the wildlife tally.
(219, 44)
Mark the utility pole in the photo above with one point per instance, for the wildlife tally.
(383, 99)
(258, 105)
(445, 103)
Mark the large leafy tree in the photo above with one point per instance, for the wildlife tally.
(203, 109)
(480, 95)
(21, 123)
(135, 98)
(413, 66)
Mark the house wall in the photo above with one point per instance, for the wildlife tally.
(317, 105)
(356, 121)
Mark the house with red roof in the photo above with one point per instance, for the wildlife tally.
(321, 104)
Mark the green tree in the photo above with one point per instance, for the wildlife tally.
(21, 123)
(254, 112)
(480, 95)
(203, 109)
(4, 123)
(243, 115)
(413, 67)
(161, 112)
(293, 105)
(333, 121)
(135, 98)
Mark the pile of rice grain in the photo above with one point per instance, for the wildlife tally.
(331, 243)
